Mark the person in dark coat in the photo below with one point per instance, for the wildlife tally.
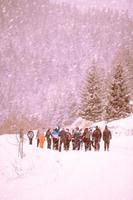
(86, 139)
(68, 138)
(77, 138)
(55, 137)
(107, 136)
(49, 138)
(73, 140)
(30, 135)
(62, 139)
(37, 137)
(96, 136)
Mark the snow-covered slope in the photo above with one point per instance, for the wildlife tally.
(77, 175)
(121, 127)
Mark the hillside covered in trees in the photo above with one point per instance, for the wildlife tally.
(45, 51)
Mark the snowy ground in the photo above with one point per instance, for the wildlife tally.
(77, 175)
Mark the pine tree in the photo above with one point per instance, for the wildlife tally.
(118, 98)
(125, 58)
(91, 102)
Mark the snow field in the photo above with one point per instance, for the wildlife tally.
(77, 175)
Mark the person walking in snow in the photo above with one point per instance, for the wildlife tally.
(86, 138)
(107, 136)
(73, 140)
(37, 138)
(62, 139)
(81, 138)
(55, 136)
(77, 138)
(68, 139)
(96, 137)
(30, 135)
(40, 138)
(49, 138)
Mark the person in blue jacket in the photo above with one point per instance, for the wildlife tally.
(55, 136)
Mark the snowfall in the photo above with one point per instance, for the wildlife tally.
(73, 175)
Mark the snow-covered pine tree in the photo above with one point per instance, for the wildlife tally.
(118, 97)
(125, 57)
(91, 99)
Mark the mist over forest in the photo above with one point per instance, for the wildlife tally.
(46, 49)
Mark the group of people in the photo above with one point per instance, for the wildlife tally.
(59, 139)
